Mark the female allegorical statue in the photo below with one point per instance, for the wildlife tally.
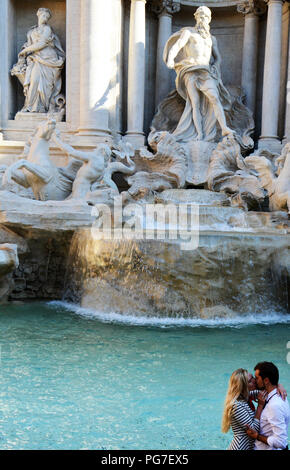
(39, 66)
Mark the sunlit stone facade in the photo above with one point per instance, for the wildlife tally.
(114, 75)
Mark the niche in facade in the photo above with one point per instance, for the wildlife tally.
(23, 18)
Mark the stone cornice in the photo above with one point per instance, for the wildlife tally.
(255, 7)
(209, 3)
(274, 1)
(165, 6)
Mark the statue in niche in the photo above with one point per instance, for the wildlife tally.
(201, 111)
(39, 67)
(193, 53)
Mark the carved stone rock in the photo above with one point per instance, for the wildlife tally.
(192, 196)
(199, 154)
(274, 175)
(236, 250)
(8, 262)
(164, 169)
(228, 172)
(43, 216)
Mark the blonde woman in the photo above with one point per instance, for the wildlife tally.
(238, 412)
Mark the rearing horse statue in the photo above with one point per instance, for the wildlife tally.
(48, 182)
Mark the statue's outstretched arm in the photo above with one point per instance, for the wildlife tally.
(38, 45)
(70, 150)
(34, 48)
(180, 43)
(115, 167)
(107, 178)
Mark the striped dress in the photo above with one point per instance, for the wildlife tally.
(242, 415)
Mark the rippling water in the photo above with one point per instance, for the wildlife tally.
(73, 379)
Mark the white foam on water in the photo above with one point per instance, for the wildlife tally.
(267, 318)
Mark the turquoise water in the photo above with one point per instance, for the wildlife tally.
(72, 381)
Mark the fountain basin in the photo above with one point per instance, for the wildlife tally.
(240, 263)
(74, 381)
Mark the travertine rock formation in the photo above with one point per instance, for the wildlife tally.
(164, 169)
(238, 263)
(8, 262)
(228, 172)
(274, 175)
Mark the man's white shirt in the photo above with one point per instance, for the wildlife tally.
(274, 423)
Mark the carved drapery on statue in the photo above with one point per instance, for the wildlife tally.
(196, 76)
(39, 67)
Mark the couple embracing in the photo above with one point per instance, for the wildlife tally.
(264, 427)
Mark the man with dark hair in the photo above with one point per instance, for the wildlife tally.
(268, 369)
(273, 434)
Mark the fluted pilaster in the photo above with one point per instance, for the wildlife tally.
(251, 9)
(165, 10)
(272, 74)
(136, 74)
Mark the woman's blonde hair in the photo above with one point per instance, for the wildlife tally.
(238, 389)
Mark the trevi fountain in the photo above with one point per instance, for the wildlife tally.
(144, 216)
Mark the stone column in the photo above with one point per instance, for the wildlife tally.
(272, 71)
(287, 114)
(251, 10)
(115, 95)
(136, 74)
(95, 68)
(2, 57)
(3, 53)
(164, 10)
(73, 64)
(7, 58)
(286, 137)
